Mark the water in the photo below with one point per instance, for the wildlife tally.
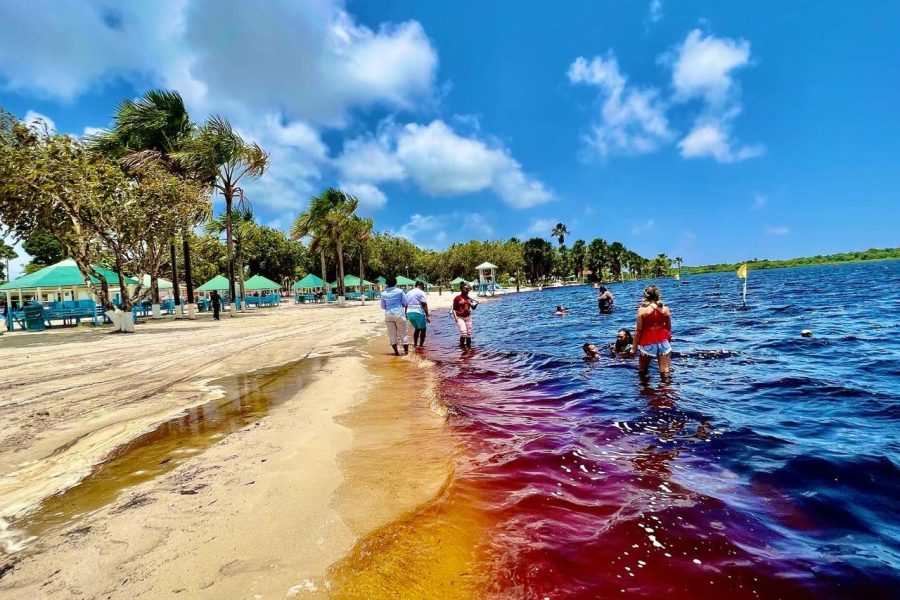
(769, 470)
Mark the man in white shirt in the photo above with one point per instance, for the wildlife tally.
(417, 313)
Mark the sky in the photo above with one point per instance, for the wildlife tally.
(712, 131)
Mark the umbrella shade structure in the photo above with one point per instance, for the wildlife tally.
(352, 281)
(458, 281)
(219, 283)
(65, 273)
(309, 282)
(403, 281)
(259, 282)
(381, 280)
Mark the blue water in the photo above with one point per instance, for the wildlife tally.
(772, 462)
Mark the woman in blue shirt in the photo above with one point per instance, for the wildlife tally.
(394, 303)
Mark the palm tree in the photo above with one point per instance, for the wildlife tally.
(328, 220)
(243, 228)
(560, 232)
(678, 262)
(224, 158)
(579, 251)
(361, 232)
(616, 254)
(7, 254)
(154, 128)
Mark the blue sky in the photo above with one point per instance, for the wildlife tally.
(714, 131)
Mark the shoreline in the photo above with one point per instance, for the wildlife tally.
(241, 515)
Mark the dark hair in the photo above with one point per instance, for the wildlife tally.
(651, 295)
(559, 307)
(602, 288)
(586, 346)
(628, 337)
(390, 280)
(420, 283)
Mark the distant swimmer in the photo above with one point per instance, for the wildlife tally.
(624, 346)
(462, 314)
(653, 333)
(605, 300)
(561, 311)
(591, 352)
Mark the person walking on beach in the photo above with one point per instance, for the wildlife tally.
(417, 313)
(216, 302)
(653, 332)
(462, 312)
(605, 300)
(393, 303)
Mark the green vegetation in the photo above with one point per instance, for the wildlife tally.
(819, 259)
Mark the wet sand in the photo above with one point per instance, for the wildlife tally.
(264, 511)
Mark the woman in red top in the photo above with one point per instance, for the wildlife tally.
(653, 333)
(462, 314)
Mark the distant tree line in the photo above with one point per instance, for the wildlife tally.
(819, 259)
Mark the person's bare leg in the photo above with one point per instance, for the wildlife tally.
(643, 363)
(664, 360)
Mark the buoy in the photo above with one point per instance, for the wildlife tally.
(806, 333)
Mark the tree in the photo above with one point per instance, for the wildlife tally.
(660, 265)
(6, 254)
(616, 254)
(328, 221)
(219, 155)
(154, 128)
(579, 252)
(597, 257)
(44, 249)
(560, 232)
(54, 183)
(361, 234)
(538, 258)
(244, 231)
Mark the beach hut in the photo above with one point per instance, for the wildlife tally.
(381, 281)
(454, 285)
(219, 283)
(351, 282)
(405, 282)
(487, 278)
(61, 290)
(305, 289)
(262, 291)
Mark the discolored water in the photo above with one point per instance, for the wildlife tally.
(767, 470)
(247, 398)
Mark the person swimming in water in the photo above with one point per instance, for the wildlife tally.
(653, 332)
(591, 352)
(605, 300)
(561, 310)
(624, 345)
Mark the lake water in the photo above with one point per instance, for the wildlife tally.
(768, 470)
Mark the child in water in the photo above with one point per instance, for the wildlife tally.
(591, 352)
(624, 345)
(561, 310)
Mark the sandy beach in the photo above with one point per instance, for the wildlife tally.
(264, 510)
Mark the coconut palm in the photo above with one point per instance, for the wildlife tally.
(560, 232)
(225, 159)
(243, 229)
(361, 234)
(328, 219)
(154, 128)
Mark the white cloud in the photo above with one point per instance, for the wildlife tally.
(370, 197)
(438, 230)
(759, 202)
(644, 227)
(704, 64)
(711, 138)
(703, 69)
(476, 223)
(776, 230)
(655, 12)
(370, 160)
(632, 120)
(37, 120)
(425, 230)
(89, 131)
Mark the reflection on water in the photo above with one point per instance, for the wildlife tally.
(247, 398)
(765, 468)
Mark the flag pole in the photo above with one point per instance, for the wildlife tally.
(746, 275)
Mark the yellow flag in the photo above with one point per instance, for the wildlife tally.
(677, 275)
(742, 271)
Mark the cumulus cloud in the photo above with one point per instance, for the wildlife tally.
(441, 162)
(35, 119)
(632, 120)
(703, 69)
(369, 196)
(539, 228)
(778, 230)
(438, 230)
(425, 230)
